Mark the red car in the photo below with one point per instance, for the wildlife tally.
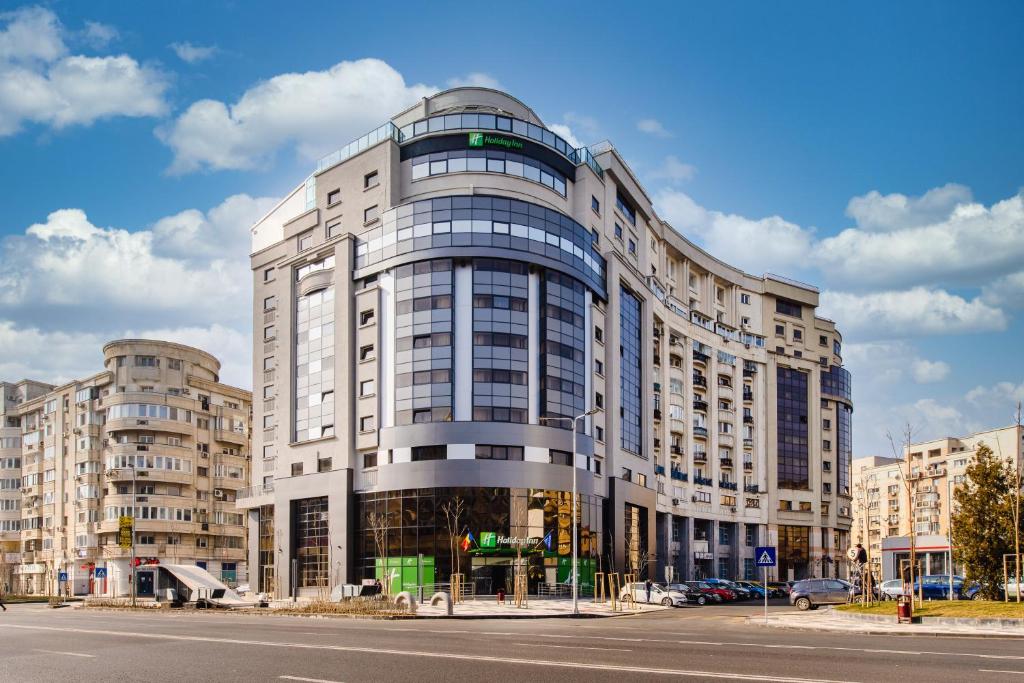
(715, 593)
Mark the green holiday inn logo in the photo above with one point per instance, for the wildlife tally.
(482, 139)
(488, 539)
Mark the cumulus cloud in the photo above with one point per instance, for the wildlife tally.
(885, 213)
(672, 170)
(193, 54)
(40, 83)
(99, 35)
(477, 79)
(652, 127)
(68, 271)
(914, 312)
(231, 346)
(314, 112)
(755, 245)
(927, 372)
(935, 420)
(938, 238)
(1007, 291)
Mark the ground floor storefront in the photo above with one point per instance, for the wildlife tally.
(112, 577)
(484, 536)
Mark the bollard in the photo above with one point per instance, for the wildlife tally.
(442, 597)
(404, 600)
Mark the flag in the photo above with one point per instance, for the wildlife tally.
(467, 541)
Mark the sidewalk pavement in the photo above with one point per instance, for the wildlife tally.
(828, 619)
(487, 607)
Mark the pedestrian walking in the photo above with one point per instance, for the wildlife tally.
(647, 587)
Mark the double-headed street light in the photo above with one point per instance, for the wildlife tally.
(575, 571)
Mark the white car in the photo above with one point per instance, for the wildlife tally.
(659, 596)
(891, 590)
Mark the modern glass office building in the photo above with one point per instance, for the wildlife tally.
(437, 301)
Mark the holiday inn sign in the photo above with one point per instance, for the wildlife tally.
(486, 139)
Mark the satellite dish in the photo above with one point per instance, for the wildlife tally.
(852, 553)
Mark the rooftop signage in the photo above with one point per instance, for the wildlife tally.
(488, 140)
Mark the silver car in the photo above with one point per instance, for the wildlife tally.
(810, 593)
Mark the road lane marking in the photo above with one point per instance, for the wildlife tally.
(309, 680)
(1002, 671)
(574, 647)
(560, 664)
(69, 654)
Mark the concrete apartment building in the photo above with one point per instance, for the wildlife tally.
(12, 395)
(884, 516)
(155, 426)
(435, 300)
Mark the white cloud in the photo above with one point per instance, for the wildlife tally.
(60, 356)
(99, 35)
(314, 112)
(1007, 291)
(474, 79)
(565, 132)
(885, 213)
(652, 127)
(914, 312)
(933, 420)
(905, 244)
(68, 271)
(1002, 394)
(672, 170)
(40, 83)
(927, 372)
(193, 54)
(766, 244)
(31, 34)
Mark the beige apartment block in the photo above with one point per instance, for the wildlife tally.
(154, 435)
(441, 296)
(895, 497)
(12, 395)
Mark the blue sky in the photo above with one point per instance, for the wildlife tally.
(874, 150)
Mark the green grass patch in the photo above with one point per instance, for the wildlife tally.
(976, 609)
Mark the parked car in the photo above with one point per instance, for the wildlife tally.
(693, 597)
(659, 595)
(756, 589)
(741, 592)
(810, 593)
(781, 586)
(715, 593)
(890, 590)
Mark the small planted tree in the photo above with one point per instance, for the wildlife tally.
(982, 528)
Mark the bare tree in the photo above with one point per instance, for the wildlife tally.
(910, 485)
(453, 511)
(380, 525)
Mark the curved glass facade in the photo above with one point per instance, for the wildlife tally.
(482, 541)
(793, 448)
(488, 161)
(156, 412)
(500, 340)
(424, 293)
(837, 382)
(484, 221)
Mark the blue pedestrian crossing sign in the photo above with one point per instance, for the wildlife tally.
(63, 576)
(764, 556)
(100, 572)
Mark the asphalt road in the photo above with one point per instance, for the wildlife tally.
(709, 643)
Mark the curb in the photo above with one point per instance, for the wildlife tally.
(868, 629)
(938, 621)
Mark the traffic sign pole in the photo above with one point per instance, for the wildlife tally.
(765, 570)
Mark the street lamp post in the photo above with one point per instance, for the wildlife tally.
(133, 571)
(575, 570)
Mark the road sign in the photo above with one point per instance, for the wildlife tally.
(62, 576)
(764, 556)
(100, 573)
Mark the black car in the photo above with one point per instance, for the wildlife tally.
(693, 597)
